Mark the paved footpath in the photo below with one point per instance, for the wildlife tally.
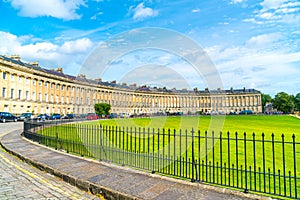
(112, 181)
(19, 180)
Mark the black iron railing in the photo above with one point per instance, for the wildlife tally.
(259, 163)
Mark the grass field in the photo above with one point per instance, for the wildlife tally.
(269, 161)
(258, 124)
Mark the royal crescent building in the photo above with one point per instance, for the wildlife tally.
(27, 87)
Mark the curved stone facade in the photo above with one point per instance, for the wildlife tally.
(26, 87)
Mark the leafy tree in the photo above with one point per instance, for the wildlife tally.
(297, 102)
(265, 98)
(284, 102)
(102, 108)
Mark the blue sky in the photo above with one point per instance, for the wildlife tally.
(253, 43)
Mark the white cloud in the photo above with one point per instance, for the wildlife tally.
(70, 54)
(78, 46)
(141, 12)
(196, 10)
(236, 1)
(268, 15)
(7, 42)
(263, 40)
(62, 9)
(278, 11)
(94, 17)
(272, 4)
(257, 64)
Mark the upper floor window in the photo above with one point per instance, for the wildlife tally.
(33, 82)
(20, 79)
(4, 92)
(33, 96)
(46, 84)
(57, 87)
(12, 93)
(26, 80)
(27, 95)
(62, 87)
(4, 75)
(12, 77)
(20, 94)
(40, 83)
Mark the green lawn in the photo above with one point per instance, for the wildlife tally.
(258, 124)
(135, 142)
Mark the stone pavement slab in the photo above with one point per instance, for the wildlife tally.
(113, 182)
(19, 180)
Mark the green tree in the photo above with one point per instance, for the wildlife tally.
(284, 102)
(102, 108)
(265, 98)
(297, 102)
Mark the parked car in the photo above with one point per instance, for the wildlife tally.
(246, 112)
(92, 116)
(43, 117)
(25, 116)
(112, 115)
(68, 116)
(6, 117)
(82, 115)
(55, 116)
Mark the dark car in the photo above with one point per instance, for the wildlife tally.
(68, 116)
(25, 116)
(6, 117)
(92, 116)
(55, 116)
(246, 112)
(112, 115)
(43, 117)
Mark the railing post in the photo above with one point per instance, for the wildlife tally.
(237, 159)
(153, 150)
(273, 159)
(221, 157)
(254, 158)
(283, 165)
(213, 155)
(264, 160)
(100, 142)
(228, 143)
(193, 156)
(206, 157)
(56, 141)
(295, 168)
(245, 158)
